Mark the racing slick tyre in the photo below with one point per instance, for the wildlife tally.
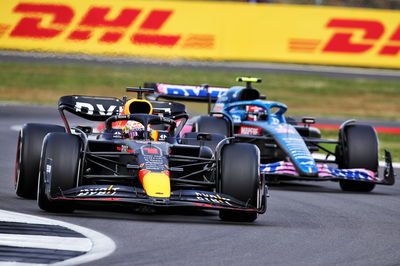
(211, 124)
(240, 179)
(29, 147)
(59, 169)
(358, 149)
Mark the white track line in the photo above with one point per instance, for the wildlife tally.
(97, 244)
(48, 242)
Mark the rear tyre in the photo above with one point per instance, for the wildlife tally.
(27, 160)
(59, 169)
(358, 149)
(210, 124)
(240, 179)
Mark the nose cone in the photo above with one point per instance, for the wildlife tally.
(156, 184)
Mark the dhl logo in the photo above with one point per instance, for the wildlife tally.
(35, 23)
(344, 39)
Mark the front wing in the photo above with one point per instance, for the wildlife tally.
(286, 170)
(126, 195)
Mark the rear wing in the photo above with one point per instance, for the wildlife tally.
(91, 107)
(203, 93)
(95, 108)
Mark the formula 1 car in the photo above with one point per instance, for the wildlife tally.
(286, 146)
(138, 159)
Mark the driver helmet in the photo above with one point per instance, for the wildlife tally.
(135, 130)
(255, 113)
(132, 130)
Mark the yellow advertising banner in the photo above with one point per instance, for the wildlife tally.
(204, 30)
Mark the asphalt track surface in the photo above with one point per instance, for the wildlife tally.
(312, 223)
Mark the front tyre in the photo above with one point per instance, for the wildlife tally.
(59, 170)
(240, 179)
(27, 161)
(358, 149)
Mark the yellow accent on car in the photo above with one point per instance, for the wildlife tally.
(138, 106)
(248, 79)
(109, 189)
(154, 135)
(157, 185)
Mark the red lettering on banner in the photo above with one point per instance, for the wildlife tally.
(155, 39)
(392, 49)
(156, 19)
(341, 42)
(30, 26)
(153, 22)
(96, 18)
(50, 20)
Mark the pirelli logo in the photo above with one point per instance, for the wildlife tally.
(352, 36)
(104, 24)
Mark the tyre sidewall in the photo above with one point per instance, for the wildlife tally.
(240, 176)
(360, 148)
(29, 148)
(59, 170)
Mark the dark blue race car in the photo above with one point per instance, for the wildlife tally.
(287, 147)
(137, 160)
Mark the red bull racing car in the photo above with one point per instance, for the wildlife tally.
(139, 158)
(286, 146)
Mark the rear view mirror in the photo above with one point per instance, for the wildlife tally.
(308, 120)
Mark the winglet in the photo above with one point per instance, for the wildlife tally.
(389, 175)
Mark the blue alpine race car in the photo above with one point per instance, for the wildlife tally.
(287, 147)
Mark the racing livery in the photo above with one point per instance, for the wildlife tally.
(287, 146)
(139, 158)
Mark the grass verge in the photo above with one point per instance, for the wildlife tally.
(304, 94)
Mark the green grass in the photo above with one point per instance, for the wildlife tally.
(304, 94)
